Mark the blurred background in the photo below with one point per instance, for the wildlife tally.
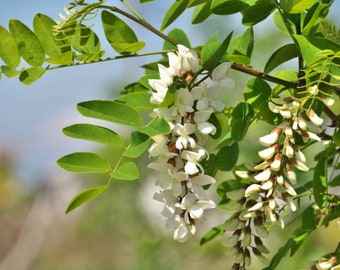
(121, 229)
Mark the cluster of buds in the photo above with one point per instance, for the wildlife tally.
(273, 179)
(177, 155)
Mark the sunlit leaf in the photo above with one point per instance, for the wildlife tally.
(8, 49)
(213, 51)
(296, 6)
(179, 36)
(138, 145)
(120, 36)
(27, 42)
(43, 28)
(94, 133)
(137, 100)
(30, 75)
(112, 111)
(175, 10)
(83, 162)
(126, 171)
(10, 72)
(156, 127)
(84, 196)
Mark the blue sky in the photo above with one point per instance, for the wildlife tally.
(32, 117)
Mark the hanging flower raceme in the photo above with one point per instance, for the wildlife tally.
(178, 154)
(273, 178)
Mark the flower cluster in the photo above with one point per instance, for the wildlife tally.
(272, 180)
(177, 155)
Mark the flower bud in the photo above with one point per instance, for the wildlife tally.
(246, 241)
(279, 179)
(267, 185)
(242, 174)
(268, 153)
(256, 206)
(290, 174)
(316, 120)
(288, 149)
(276, 164)
(252, 189)
(271, 203)
(230, 241)
(301, 166)
(270, 138)
(290, 190)
(285, 113)
(288, 132)
(264, 175)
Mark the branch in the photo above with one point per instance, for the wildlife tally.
(261, 75)
(142, 22)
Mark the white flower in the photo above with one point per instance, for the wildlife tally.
(256, 206)
(206, 128)
(161, 165)
(183, 101)
(188, 59)
(176, 184)
(194, 206)
(220, 72)
(313, 90)
(196, 184)
(181, 234)
(184, 140)
(161, 89)
(192, 161)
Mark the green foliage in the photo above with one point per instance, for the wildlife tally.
(82, 162)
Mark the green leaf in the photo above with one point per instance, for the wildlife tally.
(320, 185)
(138, 100)
(336, 137)
(213, 51)
(313, 17)
(211, 234)
(257, 92)
(296, 6)
(27, 43)
(127, 171)
(258, 12)
(179, 36)
(240, 120)
(30, 75)
(138, 145)
(10, 72)
(310, 46)
(227, 156)
(86, 41)
(43, 28)
(156, 127)
(65, 58)
(94, 133)
(175, 10)
(83, 162)
(280, 56)
(8, 49)
(201, 12)
(112, 111)
(84, 196)
(241, 47)
(120, 36)
(226, 7)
